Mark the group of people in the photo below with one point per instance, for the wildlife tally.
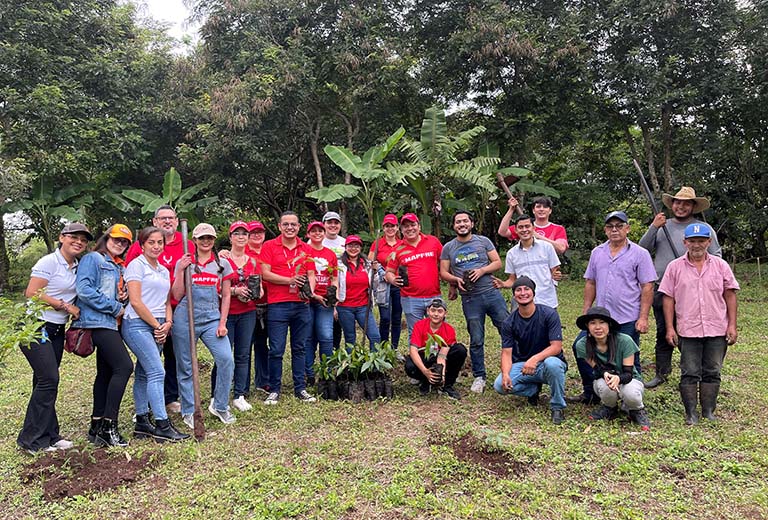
(247, 298)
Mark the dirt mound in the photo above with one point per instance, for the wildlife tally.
(74, 472)
(470, 449)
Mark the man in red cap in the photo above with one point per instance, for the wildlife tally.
(414, 267)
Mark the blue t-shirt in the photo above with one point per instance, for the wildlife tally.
(529, 336)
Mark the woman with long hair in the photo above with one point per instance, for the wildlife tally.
(211, 294)
(53, 281)
(390, 313)
(611, 355)
(354, 294)
(101, 298)
(146, 324)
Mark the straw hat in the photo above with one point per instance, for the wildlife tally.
(686, 193)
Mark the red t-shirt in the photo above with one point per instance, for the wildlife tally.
(325, 258)
(285, 262)
(422, 262)
(172, 251)
(422, 331)
(251, 267)
(385, 251)
(550, 231)
(357, 287)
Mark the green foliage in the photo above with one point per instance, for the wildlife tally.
(20, 325)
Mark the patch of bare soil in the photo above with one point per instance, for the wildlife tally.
(470, 449)
(73, 472)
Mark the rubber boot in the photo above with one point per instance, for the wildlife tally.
(108, 434)
(143, 429)
(690, 396)
(659, 379)
(708, 396)
(165, 431)
(94, 429)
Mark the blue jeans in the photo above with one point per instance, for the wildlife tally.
(260, 352)
(240, 332)
(391, 317)
(586, 372)
(347, 318)
(320, 331)
(476, 308)
(149, 373)
(414, 309)
(280, 317)
(222, 357)
(550, 371)
(701, 359)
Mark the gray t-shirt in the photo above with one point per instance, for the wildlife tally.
(655, 241)
(465, 256)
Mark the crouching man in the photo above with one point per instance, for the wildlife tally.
(532, 351)
(433, 343)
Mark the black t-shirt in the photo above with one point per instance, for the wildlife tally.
(529, 336)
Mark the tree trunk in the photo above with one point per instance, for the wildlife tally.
(648, 147)
(666, 131)
(437, 210)
(313, 147)
(352, 128)
(5, 264)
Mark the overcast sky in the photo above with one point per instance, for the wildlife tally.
(173, 13)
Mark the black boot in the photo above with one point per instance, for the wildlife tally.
(94, 429)
(143, 429)
(660, 379)
(708, 396)
(690, 396)
(164, 431)
(108, 434)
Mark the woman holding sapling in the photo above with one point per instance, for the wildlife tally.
(101, 295)
(354, 294)
(391, 312)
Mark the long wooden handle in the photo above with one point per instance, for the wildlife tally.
(504, 186)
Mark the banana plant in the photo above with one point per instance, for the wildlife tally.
(376, 180)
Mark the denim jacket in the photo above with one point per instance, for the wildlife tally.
(97, 279)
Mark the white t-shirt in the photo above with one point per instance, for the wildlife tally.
(335, 244)
(155, 286)
(61, 283)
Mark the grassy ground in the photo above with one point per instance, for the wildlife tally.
(395, 459)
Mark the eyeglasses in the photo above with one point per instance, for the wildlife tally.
(614, 227)
(289, 224)
(166, 219)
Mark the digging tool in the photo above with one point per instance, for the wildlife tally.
(654, 205)
(503, 182)
(199, 429)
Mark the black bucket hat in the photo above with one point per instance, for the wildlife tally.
(600, 313)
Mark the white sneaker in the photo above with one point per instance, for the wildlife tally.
(189, 420)
(478, 385)
(413, 381)
(224, 415)
(241, 404)
(272, 398)
(62, 444)
(173, 407)
(306, 397)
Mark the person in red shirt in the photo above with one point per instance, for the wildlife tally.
(167, 221)
(321, 310)
(354, 293)
(287, 265)
(546, 231)
(391, 313)
(434, 341)
(418, 258)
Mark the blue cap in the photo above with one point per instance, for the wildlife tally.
(698, 230)
(617, 214)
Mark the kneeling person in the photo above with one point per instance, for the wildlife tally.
(532, 351)
(450, 354)
(611, 355)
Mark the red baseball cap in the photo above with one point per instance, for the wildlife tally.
(315, 223)
(255, 225)
(390, 218)
(237, 225)
(353, 239)
(409, 216)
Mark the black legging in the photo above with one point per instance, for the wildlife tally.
(113, 369)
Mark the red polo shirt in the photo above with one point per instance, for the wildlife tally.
(285, 262)
(385, 251)
(422, 261)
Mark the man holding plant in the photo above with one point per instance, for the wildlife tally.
(434, 356)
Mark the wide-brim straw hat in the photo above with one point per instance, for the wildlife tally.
(686, 193)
